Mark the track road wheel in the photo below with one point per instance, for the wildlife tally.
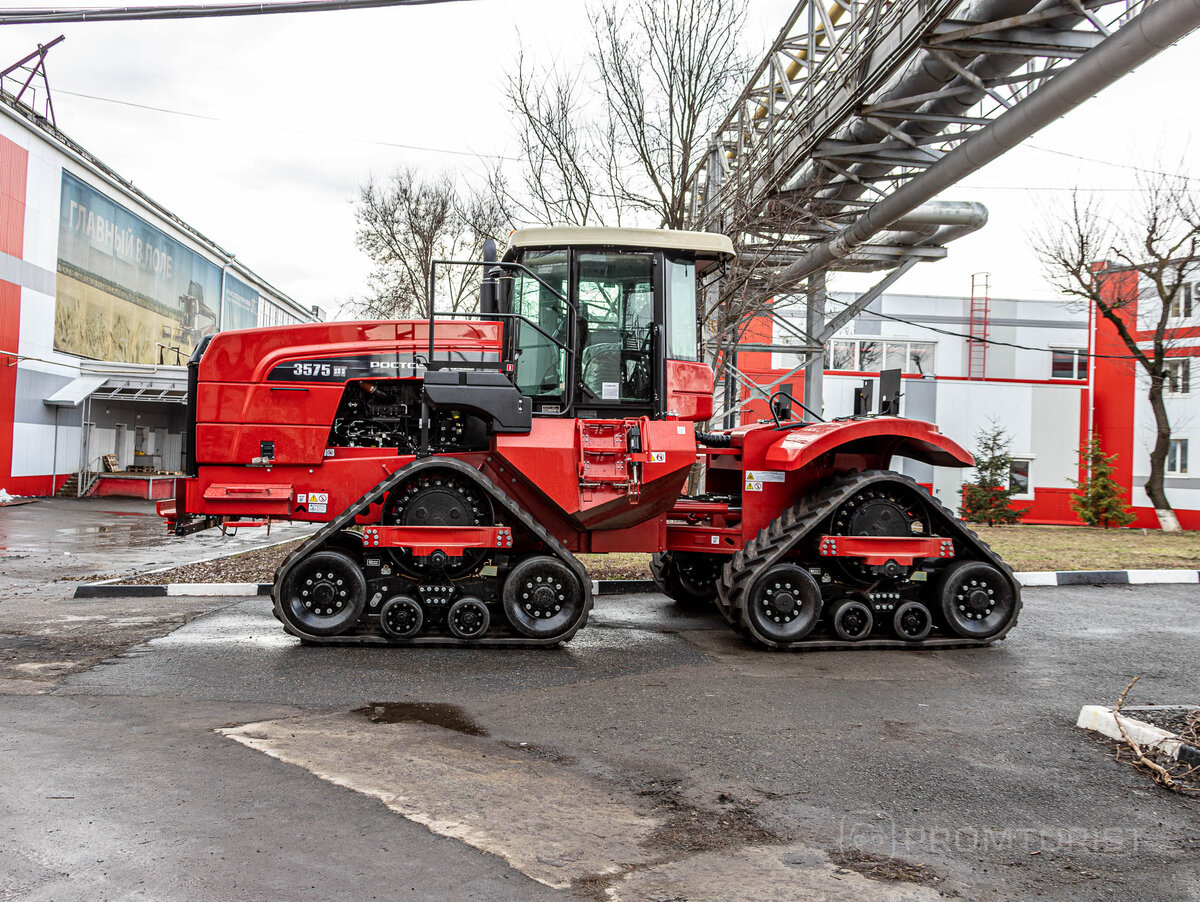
(324, 594)
(783, 606)
(976, 600)
(543, 597)
(912, 621)
(690, 580)
(851, 619)
(401, 617)
(468, 618)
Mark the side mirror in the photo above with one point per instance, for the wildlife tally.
(781, 406)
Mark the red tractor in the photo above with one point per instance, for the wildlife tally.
(460, 463)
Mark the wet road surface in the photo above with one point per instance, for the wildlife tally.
(655, 757)
(94, 538)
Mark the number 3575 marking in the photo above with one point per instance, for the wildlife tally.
(311, 369)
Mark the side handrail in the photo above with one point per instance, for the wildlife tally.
(569, 377)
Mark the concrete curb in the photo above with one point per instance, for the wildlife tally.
(1102, 720)
(642, 586)
(1106, 577)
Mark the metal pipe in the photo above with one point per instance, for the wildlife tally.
(1155, 29)
(927, 72)
(221, 305)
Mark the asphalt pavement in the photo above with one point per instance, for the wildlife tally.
(655, 757)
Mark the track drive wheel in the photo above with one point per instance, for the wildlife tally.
(890, 508)
(851, 619)
(690, 580)
(976, 599)
(324, 594)
(543, 597)
(783, 605)
(438, 498)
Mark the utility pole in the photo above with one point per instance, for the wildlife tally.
(814, 372)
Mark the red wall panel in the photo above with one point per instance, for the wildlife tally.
(14, 163)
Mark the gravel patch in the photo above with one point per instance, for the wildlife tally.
(258, 566)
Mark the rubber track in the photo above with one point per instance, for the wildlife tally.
(318, 541)
(786, 531)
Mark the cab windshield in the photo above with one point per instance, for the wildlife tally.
(616, 306)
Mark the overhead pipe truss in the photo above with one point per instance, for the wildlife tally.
(863, 110)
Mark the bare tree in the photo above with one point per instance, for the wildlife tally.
(1134, 270)
(621, 137)
(668, 70)
(561, 180)
(409, 221)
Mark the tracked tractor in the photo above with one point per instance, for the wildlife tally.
(459, 464)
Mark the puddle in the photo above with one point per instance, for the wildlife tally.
(450, 717)
(91, 530)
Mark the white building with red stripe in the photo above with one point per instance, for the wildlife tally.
(103, 295)
(1033, 371)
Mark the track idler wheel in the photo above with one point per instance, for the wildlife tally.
(468, 618)
(543, 598)
(851, 619)
(401, 617)
(324, 594)
(976, 599)
(912, 621)
(690, 580)
(783, 606)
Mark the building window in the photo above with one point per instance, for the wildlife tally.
(1068, 364)
(1178, 375)
(873, 355)
(843, 355)
(1018, 476)
(1181, 304)
(1177, 455)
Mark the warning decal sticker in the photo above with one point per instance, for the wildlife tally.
(756, 478)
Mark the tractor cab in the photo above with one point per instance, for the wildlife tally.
(603, 321)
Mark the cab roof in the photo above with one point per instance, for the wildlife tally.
(702, 244)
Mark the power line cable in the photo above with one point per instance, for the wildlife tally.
(990, 341)
(1076, 156)
(194, 11)
(281, 128)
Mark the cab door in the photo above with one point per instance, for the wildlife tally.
(618, 361)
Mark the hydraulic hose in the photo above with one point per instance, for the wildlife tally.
(714, 439)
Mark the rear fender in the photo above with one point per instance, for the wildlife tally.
(866, 443)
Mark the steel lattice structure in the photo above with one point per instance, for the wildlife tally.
(863, 110)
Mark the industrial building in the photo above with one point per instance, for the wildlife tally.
(103, 295)
(1049, 372)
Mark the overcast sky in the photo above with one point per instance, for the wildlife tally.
(287, 115)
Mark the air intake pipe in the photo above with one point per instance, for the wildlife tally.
(489, 288)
